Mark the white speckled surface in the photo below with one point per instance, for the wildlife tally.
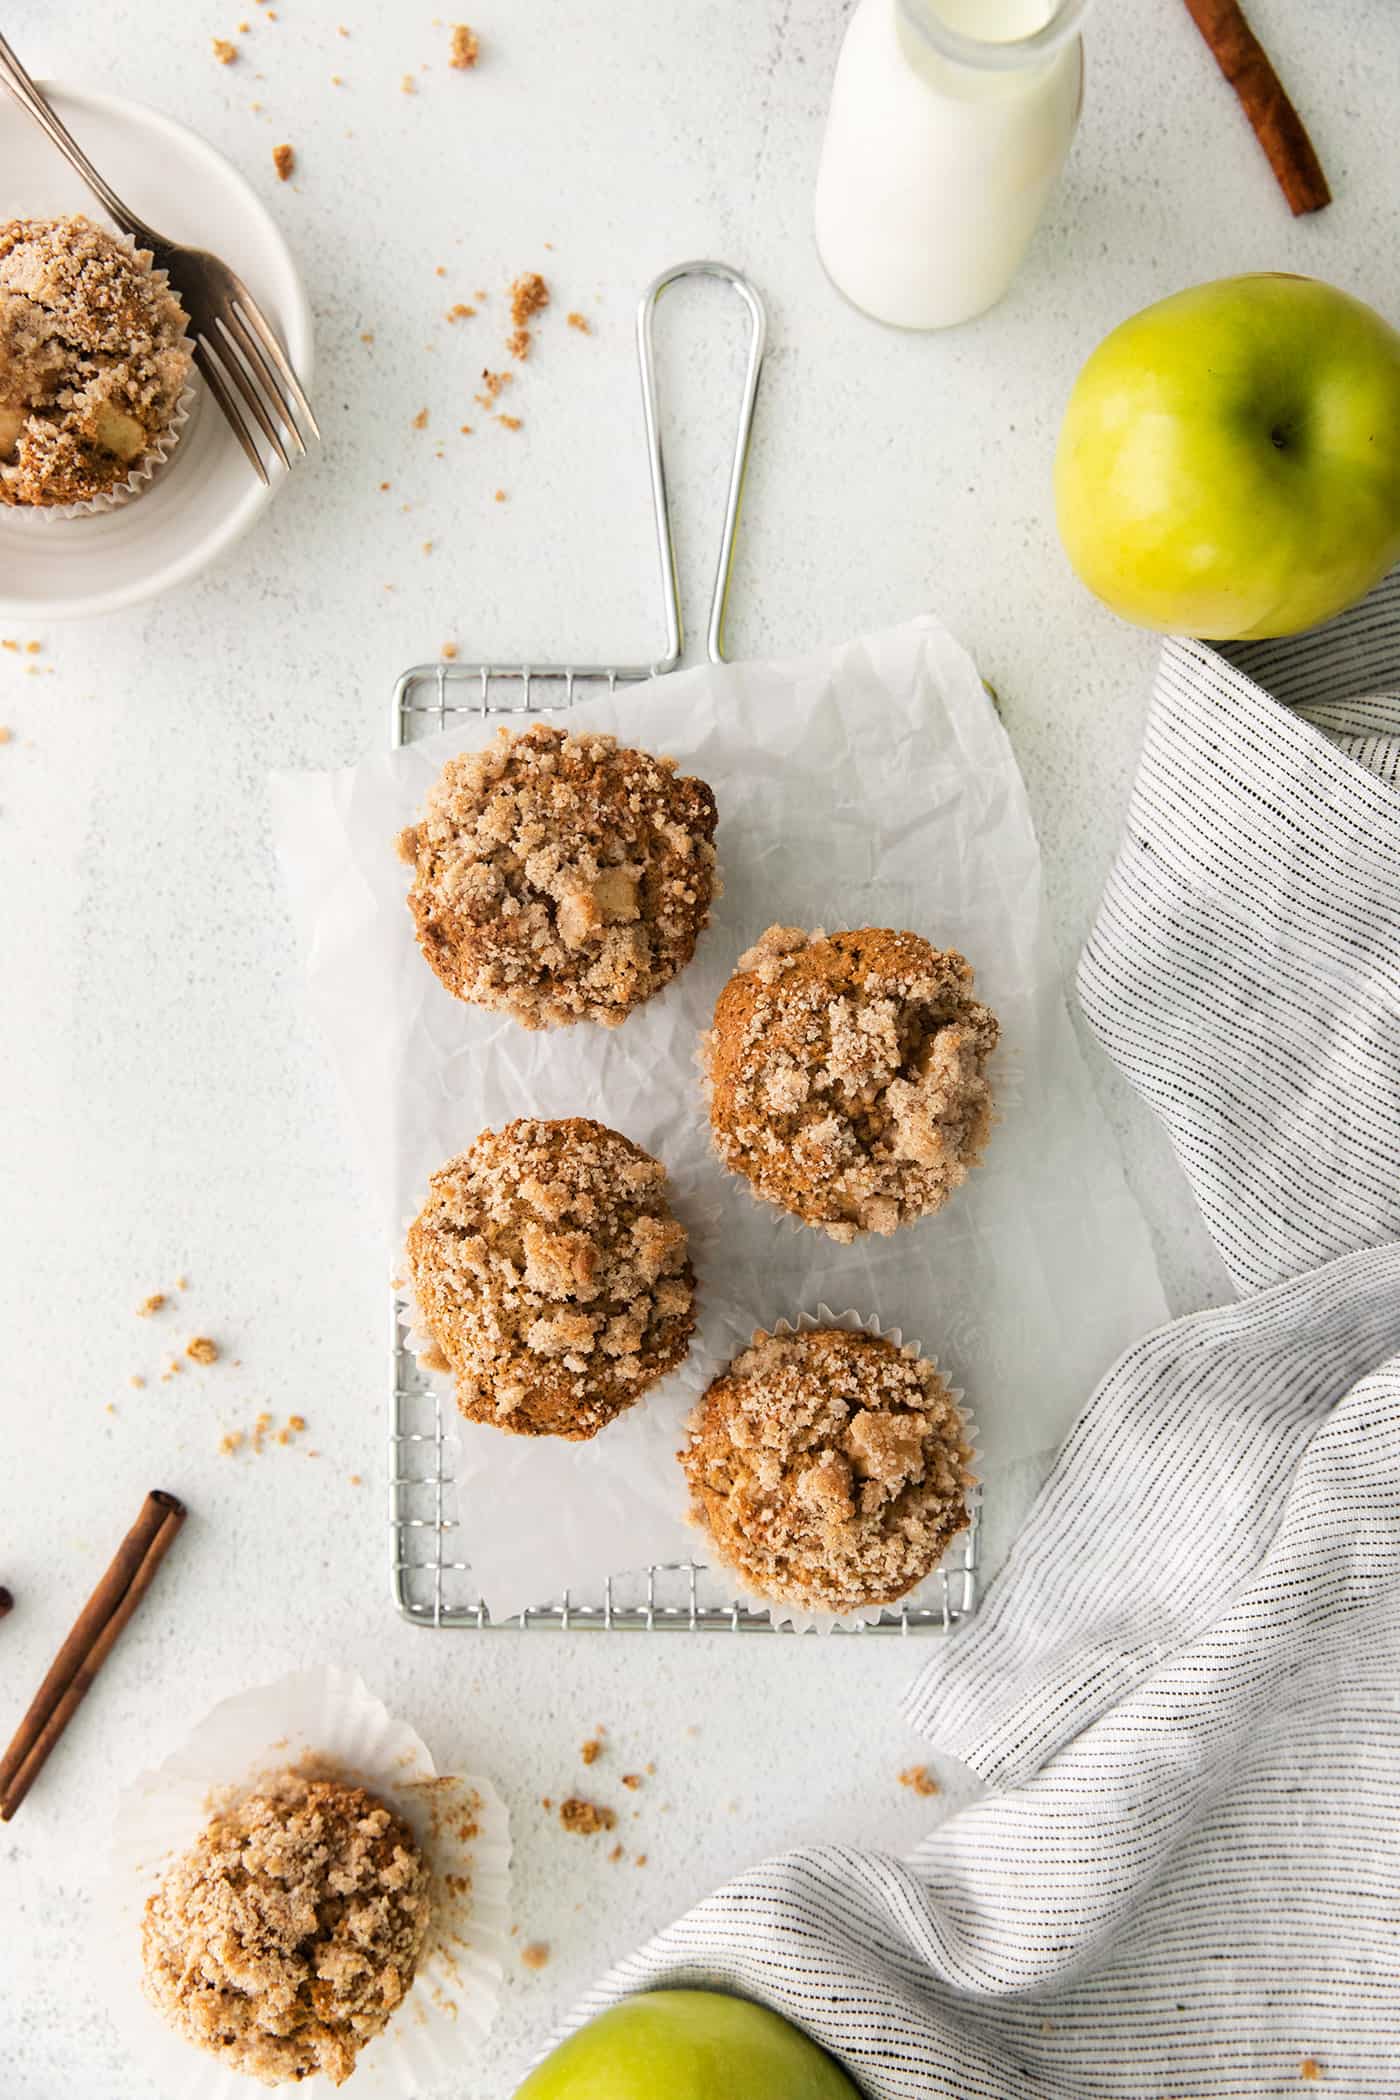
(165, 1108)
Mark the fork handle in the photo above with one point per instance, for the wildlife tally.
(30, 98)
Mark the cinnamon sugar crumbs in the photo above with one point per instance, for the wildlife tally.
(492, 384)
(466, 430)
(449, 651)
(464, 48)
(580, 322)
(223, 50)
(420, 421)
(32, 648)
(586, 1818)
(919, 1780)
(137, 1381)
(535, 1955)
(232, 1442)
(830, 1469)
(591, 1751)
(500, 495)
(615, 1855)
(284, 160)
(640, 1860)
(201, 1350)
(847, 1076)
(408, 85)
(461, 311)
(552, 1276)
(151, 1305)
(6, 736)
(561, 878)
(632, 1780)
(529, 295)
(296, 1423)
(509, 422)
(1310, 2068)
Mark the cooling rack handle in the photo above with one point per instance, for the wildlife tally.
(661, 506)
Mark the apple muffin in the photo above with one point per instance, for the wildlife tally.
(847, 1076)
(561, 878)
(287, 1935)
(551, 1276)
(830, 1470)
(93, 361)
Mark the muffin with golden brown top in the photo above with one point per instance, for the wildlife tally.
(830, 1470)
(561, 878)
(847, 1076)
(552, 1276)
(289, 1933)
(93, 361)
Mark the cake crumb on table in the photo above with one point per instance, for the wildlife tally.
(580, 322)
(408, 85)
(591, 1750)
(632, 1780)
(224, 51)
(284, 161)
(585, 1818)
(535, 1956)
(615, 1855)
(464, 49)
(136, 1380)
(201, 1350)
(1310, 2068)
(461, 311)
(448, 651)
(509, 422)
(151, 1305)
(231, 1442)
(420, 421)
(919, 1780)
(500, 495)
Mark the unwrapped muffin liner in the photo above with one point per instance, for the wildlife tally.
(930, 1590)
(324, 1722)
(154, 460)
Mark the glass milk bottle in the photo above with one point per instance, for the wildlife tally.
(950, 121)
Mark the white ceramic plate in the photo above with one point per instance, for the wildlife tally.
(69, 568)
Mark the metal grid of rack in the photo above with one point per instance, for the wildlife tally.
(432, 1577)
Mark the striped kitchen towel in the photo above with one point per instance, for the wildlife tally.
(1182, 1878)
(1245, 967)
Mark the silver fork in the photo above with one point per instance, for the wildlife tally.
(244, 365)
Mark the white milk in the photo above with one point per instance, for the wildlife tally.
(944, 140)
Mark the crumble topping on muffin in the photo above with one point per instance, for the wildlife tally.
(552, 1276)
(287, 1935)
(830, 1469)
(848, 1076)
(561, 878)
(92, 360)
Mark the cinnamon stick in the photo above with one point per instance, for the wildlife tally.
(1277, 125)
(88, 1645)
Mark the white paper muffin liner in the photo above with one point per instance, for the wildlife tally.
(155, 458)
(324, 1721)
(930, 1589)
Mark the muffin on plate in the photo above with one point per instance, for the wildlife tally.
(551, 1276)
(847, 1076)
(286, 1936)
(94, 359)
(561, 878)
(829, 1469)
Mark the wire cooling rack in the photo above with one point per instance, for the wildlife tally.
(432, 1577)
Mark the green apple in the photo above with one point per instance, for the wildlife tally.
(687, 2045)
(1229, 463)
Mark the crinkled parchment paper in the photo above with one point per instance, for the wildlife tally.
(871, 785)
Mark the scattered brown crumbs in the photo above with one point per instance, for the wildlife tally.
(182, 1283)
(408, 85)
(591, 1751)
(231, 1443)
(919, 1780)
(464, 49)
(427, 546)
(461, 312)
(491, 385)
(440, 270)
(518, 344)
(500, 495)
(355, 1480)
(152, 1305)
(136, 1380)
(529, 295)
(284, 160)
(336, 80)
(585, 1818)
(224, 51)
(509, 422)
(420, 421)
(296, 1423)
(367, 336)
(385, 485)
(260, 1429)
(32, 648)
(580, 322)
(449, 651)
(546, 1802)
(1310, 2068)
(6, 736)
(342, 31)
(632, 1780)
(110, 1409)
(615, 1855)
(466, 430)
(172, 1370)
(640, 1860)
(535, 1956)
(202, 1351)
